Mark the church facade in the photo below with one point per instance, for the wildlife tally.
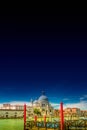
(43, 104)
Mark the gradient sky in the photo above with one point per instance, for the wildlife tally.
(43, 52)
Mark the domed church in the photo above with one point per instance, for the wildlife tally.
(42, 103)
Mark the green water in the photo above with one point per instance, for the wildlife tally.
(11, 124)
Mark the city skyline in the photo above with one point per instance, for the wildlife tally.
(43, 52)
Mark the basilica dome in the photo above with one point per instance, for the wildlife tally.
(43, 97)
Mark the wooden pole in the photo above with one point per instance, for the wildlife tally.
(61, 116)
(35, 119)
(24, 115)
(45, 120)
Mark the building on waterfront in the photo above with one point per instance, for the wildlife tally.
(71, 113)
(42, 107)
(42, 104)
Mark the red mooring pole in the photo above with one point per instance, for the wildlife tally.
(35, 119)
(61, 116)
(45, 120)
(24, 115)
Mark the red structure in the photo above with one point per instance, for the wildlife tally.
(35, 119)
(24, 115)
(61, 116)
(45, 120)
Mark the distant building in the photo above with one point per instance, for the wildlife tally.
(17, 111)
(72, 113)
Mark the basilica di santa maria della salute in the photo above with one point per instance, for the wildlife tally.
(41, 107)
(42, 103)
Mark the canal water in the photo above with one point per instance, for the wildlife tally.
(11, 124)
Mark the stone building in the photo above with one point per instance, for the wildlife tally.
(17, 111)
(42, 103)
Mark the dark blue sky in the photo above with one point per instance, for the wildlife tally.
(43, 52)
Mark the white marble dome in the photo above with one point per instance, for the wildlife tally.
(43, 97)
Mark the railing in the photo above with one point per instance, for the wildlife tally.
(75, 125)
(30, 125)
(68, 125)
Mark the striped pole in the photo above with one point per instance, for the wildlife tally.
(61, 116)
(24, 115)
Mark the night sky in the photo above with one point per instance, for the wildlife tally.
(43, 52)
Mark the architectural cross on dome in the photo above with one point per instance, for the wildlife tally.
(43, 92)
